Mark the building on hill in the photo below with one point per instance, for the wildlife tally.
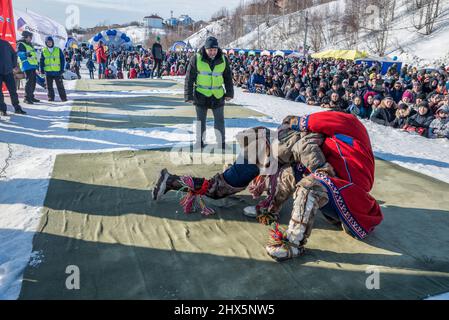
(183, 20)
(153, 22)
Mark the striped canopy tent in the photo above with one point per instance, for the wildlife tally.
(279, 54)
(224, 51)
(252, 53)
(242, 52)
(265, 53)
(231, 51)
(340, 54)
(295, 55)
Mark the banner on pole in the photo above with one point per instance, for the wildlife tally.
(41, 27)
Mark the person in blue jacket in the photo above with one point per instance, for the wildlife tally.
(257, 81)
(52, 65)
(28, 63)
(91, 67)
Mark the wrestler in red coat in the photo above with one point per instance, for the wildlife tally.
(347, 148)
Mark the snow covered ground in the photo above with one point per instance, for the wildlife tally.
(29, 145)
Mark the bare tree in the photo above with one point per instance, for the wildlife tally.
(425, 14)
(385, 9)
(316, 33)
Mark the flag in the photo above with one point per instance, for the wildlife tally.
(7, 29)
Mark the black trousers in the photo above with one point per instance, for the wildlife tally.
(10, 82)
(158, 66)
(219, 124)
(30, 86)
(59, 86)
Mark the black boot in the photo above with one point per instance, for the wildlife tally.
(168, 182)
(3, 113)
(27, 101)
(35, 100)
(19, 110)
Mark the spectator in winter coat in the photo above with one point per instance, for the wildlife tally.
(385, 113)
(336, 87)
(402, 115)
(397, 92)
(377, 100)
(302, 96)
(356, 106)
(8, 66)
(337, 102)
(419, 123)
(407, 97)
(132, 74)
(90, 65)
(276, 89)
(435, 102)
(101, 59)
(293, 93)
(257, 81)
(321, 93)
(439, 127)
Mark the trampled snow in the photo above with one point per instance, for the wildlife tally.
(31, 143)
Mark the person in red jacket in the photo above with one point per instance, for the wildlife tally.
(132, 73)
(101, 60)
(347, 147)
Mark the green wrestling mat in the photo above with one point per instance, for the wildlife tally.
(123, 110)
(99, 216)
(127, 85)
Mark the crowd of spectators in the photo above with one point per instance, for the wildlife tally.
(407, 98)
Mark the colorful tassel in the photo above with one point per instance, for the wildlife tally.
(257, 186)
(278, 235)
(193, 198)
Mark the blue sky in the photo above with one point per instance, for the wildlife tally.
(93, 12)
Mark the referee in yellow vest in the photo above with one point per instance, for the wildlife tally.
(52, 65)
(28, 64)
(208, 85)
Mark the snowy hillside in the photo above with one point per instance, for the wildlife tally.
(287, 32)
(216, 28)
(138, 35)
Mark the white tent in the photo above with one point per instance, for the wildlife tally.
(265, 53)
(41, 27)
(279, 54)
